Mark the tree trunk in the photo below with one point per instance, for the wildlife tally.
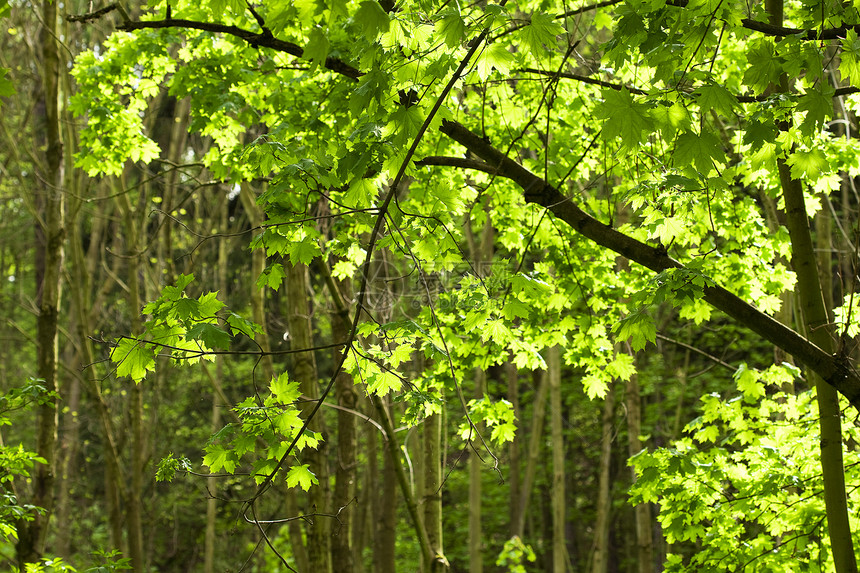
(559, 548)
(604, 499)
(476, 560)
(345, 472)
(433, 493)
(305, 371)
(819, 329)
(79, 289)
(644, 539)
(210, 539)
(258, 297)
(533, 453)
(383, 554)
(514, 448)
(50, 234)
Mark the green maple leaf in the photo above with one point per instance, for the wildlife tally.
(639, 327)
(217, 458)
(541, 31)
(361, 193)
(808, 163)
(240, 324)
(624, 118)
(273, 277)
(818, 105)
(451, 27)
(210, 335)
(301, 476)
(717, 98)
(209, 304)
(383, 383)
(515, 308)
(700, 150)
(849, 66)
(503, 433)
(764, 67)
(285, 390)
(496, 56)
(133, 358)
(373, 19)
(316, 50)
(304, 251)
(186, 308)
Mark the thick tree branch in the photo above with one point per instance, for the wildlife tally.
(781, 31)
(256, 39)
(638, 91)
(814, 34)
(835, 370)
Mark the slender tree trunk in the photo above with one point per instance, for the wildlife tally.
(819, 329)
(81, 269)
(305, 369)
(134, 503)
(258, 297)
(559, 548)
(533, 453)
(644, 539)
(383, 554)
(68, 458)
(50, 239)
(604, 499)
(476, 541)
(514, 448)
(429, 558)
(210, 540)
(345, 471)
(433, 493)
(815, 315)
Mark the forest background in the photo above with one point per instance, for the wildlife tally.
(376, 286)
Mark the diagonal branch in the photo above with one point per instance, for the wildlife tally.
(256, 39)
(835, 370)
(638, 91)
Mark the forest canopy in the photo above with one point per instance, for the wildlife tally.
(375, 285)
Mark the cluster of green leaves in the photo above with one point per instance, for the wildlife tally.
(265, 433)
(15, 461)
(498, 416)
(185, 329)
(259, 440)
(744, 486)
(515, 555)
(106, 562)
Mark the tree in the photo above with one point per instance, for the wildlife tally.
(652, 131)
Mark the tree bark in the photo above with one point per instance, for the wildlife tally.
(345, 471)
(50, 234)
(514, 448)
(642, 512)
(433, 493)
(814, 289)
(305, 371)
(533, 452)
(559, 506)
(819, 329)
(383, 550)
(604, 499)
(134, 499)
(476, 541)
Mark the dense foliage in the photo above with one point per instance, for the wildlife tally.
(466, 222)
